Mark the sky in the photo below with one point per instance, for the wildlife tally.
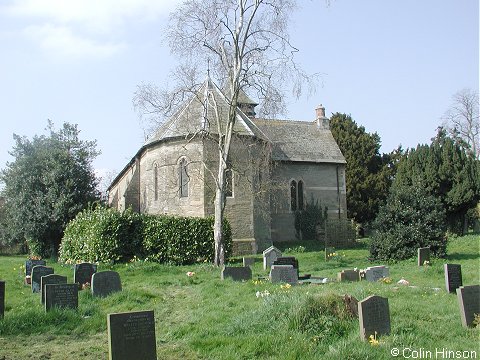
(393, 65)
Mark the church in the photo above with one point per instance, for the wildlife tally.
(274, 168)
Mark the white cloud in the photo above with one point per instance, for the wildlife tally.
(60, 41)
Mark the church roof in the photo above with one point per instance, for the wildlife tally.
(201, 112)
(300, 141)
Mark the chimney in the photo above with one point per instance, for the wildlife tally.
(321, 119)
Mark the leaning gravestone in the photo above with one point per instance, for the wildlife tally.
(374, 316)
(2, 299)
(375, 273)
(348, 275)
(329, 251)
(82, 273)
(287, 260)
(284, 273)
(50, 279)
(269, 256)
(453, 277)
(61, 296)
(105, 282)
(469, 302)
(37, 272)
(248, 261)
(29, 264)
(236, 273)
(131, 335)
(423, 254)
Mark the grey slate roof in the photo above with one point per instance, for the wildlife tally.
(199, 114)
(300, 141)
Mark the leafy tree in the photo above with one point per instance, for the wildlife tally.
(307, 220)
(411, 218)
(50, 180)
(368, 174)
(447, 171)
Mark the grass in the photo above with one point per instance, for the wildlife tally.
(202, 317)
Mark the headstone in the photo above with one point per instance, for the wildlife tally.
(236, 273)
(131, 335)
(284, 273)
(2, 299)
(61, 296)
(29, 264)
(348, 275)
(453, 277)
(375, 273)
(329, 251)
(105, 282)
(269, 256)
(287, 260)
(469, 302)
(248, 261)
(37, 272)
(423, 254)
(82, 273)
(50, 279)
(374, 316)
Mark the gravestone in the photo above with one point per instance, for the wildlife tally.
(284, 273)
(2, 299)
(453, 277)
(423, 254)
(375, 273)
(37, 272)
(236, 273)
(348, 275)
(50, 279)
(329, 251)
(374, 316)
(61, 296)
(131, 335)
(469, 302)
(287, 260)
(248, 261)
(105, 282)
(82, 273)
(269, 256)
(29, 264)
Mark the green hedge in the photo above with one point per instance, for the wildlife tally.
(107, 235)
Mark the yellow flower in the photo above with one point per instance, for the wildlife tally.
(286, 286)
(372, 339)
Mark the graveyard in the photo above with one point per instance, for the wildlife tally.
(202, 312)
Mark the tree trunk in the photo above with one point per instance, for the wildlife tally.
(219, 207)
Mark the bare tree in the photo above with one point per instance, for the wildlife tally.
(462, 119)
(247, 48)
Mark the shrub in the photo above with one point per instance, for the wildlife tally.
(411, 218)
(306, 220)
(106, 235)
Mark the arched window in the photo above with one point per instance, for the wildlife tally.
(293, 195)
(155, 181)
(183, 178)
(300, 195)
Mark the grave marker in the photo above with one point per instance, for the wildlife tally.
(453, 277)
(375, 273)
(248, 261)
(284, 273)
(50, 279)
(423, 254)
(131, 335)
(287, 260)
(61, 296)
(374, 316)
(2, 299)
(37, 272)
(82, 273)
(269, 256)
(236, 273)
(469, 302)
(29, 264)
(348, 275)
(105, 282)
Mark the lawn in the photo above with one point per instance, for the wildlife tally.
(203, 317)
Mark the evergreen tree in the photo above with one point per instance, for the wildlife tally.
(48, 183)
